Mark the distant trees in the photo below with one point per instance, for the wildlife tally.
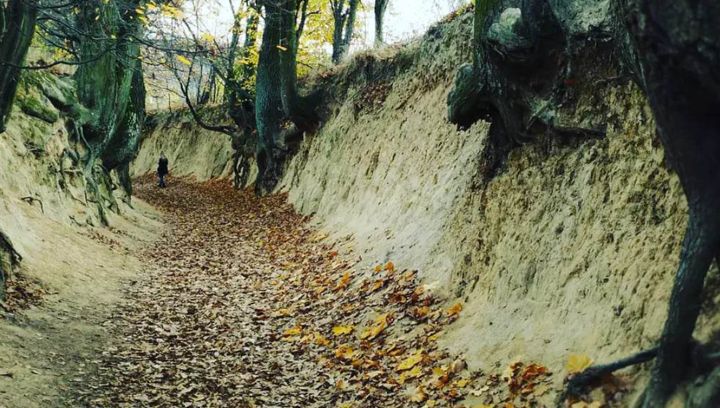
(344, 15)
(110, 41)
(380, 9)
(186, 50)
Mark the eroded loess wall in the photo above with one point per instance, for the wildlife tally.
(191, 150)
(571, 246)
(72, 268)
(41, 160)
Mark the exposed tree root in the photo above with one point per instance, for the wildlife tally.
(580, 383)
(30, 200)
(9, 259)
(705, 392)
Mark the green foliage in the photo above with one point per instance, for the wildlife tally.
(316, 41)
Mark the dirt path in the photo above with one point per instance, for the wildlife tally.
(70, 280)
(246, 306)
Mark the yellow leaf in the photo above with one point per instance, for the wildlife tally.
(284, 312)
(293, 331)
(462, 383)
(377, 285)
(390, 267)
(380, 324)
(578, 363)
(184, 60)
(455, 310)
(345, 352)
(320, 340)
(342, 330)
(415, 372)
(378, 268)
(421, 312)
(344, 281)
(171, 11)
(207, 37)
(411, 361)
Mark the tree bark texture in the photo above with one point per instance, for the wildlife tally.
(344, 16)
(380, 9)
(17, 26)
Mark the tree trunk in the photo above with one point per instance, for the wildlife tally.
(17, 26)
(343, 28)
(269, 109)
(112, 88)
(338, 9)
(678, 69)
(380, 8)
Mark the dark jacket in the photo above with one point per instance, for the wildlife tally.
(162, 167)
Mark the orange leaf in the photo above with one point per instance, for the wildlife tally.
(455, 310)
(380, 324)
(377, 285)
(345, 352)
(344, 281)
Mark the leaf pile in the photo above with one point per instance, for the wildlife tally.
(245, 306)
(21, 293)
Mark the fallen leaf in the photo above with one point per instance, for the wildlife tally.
(411, 361)
(345, 352)
(455, 310)
(577, 363)
(462, 383)
(342, 330)
(419, 395)
(343, 282)
(380, 324)
(293, 331)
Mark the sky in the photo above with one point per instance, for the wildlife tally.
(409, 18)
(404, 18)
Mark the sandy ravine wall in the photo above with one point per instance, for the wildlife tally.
(571, 248)
(191, 150)
(72, 267)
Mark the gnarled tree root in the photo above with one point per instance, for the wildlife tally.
(703, 389)
(580, 383)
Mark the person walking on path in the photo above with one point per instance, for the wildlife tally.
(162, 170)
